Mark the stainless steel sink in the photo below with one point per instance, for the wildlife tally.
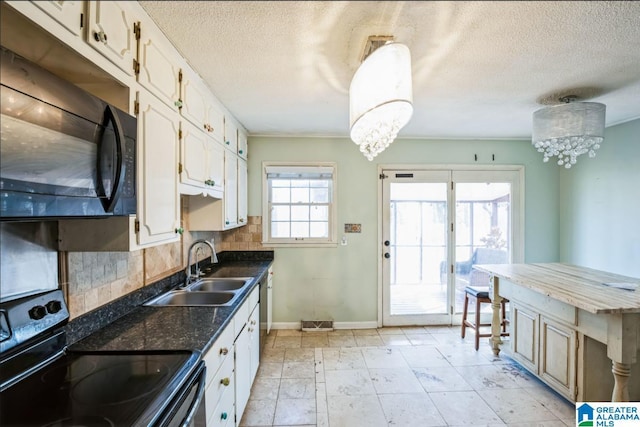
(216, 284)
(186, 298)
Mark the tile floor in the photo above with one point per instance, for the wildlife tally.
(418, 376)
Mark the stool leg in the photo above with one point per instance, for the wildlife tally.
(464, 313)
(477, 323)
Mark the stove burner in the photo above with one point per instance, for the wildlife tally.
(68, 373)
(86, 421)
(124, 382)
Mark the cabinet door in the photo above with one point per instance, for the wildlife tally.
(242, 371)
(231, 135)
(159, 66)
(242, 144)
(254, 341)
(242, 192)
(558, 356)
(111, 32)
(67, 13)
(525, 337)
(215, 165)
(230, 189)
(158, 199)
(195, 101)
(193, 158)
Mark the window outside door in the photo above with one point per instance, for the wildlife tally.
(438, 224)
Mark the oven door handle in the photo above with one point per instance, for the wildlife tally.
(199, 396)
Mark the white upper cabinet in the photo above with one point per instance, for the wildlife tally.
(242, 144)
(67, 13)
(196, 101)
(159, 65)
(111, 32)
(230, 135)
(242, 192)
(158, 197)
(201, 163)
(230, 190)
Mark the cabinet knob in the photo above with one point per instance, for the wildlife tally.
(241, 220)
(178, 103)
(226, 222)
(224, 351)
(227, 142)
(225, 381)
(100, 36)
(179, 230)
(208, 127)
(223, 416)
(253, 322)
(239, 151)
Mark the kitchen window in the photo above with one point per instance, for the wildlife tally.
(299, 204)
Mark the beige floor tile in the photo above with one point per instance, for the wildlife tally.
(269, 370)
(369, 341)
(390, 339)
(551, 400)
(299, 354)
(297, 388)
(288, 333)
(441, 379)
(287, 342)
(516, 405)
(410, 410)
(340, 333)
(353, 382)
(265, 388)
(421, 339)
(352, 411)
(383, 358)
(298, 370)
(463, 357)
(424, 357)
(464, 408)
(359, 332)
(395, 381)
(342, 358)
(390, 331)
(272, 355)
(295, 412)
(315, 341)
(258, 413)
(342, 341)
(442, 329)
(485, 377)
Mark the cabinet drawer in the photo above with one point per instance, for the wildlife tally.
(224, 413)
(221, 351)
(217, 389)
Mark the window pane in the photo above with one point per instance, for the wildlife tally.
(300, 183)
(280, 230)
(320, 195)
(281, 195)
(299, 229)
(280, 183)
(319, 213)
(319, 183)
(300, 213)
(300, 195)
(319, 229)
(280, 213)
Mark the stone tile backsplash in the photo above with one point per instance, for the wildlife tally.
(96, 278)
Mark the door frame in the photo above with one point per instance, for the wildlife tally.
(518, 237)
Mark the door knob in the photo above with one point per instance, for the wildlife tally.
(387, 255)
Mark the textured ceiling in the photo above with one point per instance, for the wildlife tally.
(480, 69)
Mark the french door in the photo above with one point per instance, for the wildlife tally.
(436, 225)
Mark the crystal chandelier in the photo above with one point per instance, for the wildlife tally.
(568, 130)
(380, 96)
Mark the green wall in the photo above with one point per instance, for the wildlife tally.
(341, 283)
(600, 205)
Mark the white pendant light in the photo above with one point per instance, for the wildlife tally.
(568, 130)
(381, 98)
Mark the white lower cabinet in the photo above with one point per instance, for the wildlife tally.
(232, 363)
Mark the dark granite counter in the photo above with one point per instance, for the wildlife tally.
(170, 328)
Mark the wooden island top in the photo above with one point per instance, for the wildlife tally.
(578, 286)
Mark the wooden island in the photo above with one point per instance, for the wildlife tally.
(570, 329)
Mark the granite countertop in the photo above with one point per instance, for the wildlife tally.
(176, 328)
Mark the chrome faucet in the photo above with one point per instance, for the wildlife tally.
(198, 273)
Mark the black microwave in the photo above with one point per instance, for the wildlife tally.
(64, 152)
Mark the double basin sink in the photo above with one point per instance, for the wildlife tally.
(209, 292)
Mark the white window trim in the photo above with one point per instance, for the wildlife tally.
(333, 211)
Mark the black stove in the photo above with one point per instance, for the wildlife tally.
(44, 384)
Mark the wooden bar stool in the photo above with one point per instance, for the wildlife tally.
(481, 294)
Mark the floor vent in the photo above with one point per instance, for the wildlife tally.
(317, 325)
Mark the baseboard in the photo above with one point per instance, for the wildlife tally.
(372, 324)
